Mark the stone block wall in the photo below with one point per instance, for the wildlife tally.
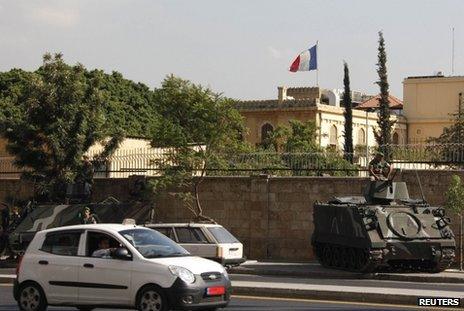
(272, 217)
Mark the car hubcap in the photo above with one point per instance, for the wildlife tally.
(151, 301)
(30, 298)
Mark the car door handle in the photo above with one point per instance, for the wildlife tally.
(43, 262)
(88, 265)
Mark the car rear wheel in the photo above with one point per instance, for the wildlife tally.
(152, 298)
(32, 298)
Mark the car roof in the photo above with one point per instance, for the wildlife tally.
(185, 224)
(106, 227)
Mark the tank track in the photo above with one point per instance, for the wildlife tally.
(364, 260)
(352, 259)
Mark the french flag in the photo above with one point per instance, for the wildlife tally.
(306, 61)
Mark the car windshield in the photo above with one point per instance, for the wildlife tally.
(152, 244)
(222, 235)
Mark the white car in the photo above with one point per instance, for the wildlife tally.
(116, 266)
(210, 241)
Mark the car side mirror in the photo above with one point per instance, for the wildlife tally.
(122, 253)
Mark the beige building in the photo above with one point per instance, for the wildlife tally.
(429, 103)
(323, 107)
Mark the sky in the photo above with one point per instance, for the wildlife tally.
(241, 48)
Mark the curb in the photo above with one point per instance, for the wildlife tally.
(417, 278)
(434, 278)
(326, 295)
(7, 278)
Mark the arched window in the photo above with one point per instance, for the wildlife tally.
(396, 138)
(361, 137)
(266, 131)
(333, 139)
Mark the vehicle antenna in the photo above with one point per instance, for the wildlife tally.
(420, 187)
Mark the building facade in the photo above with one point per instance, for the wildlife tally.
(322, 107)
(429, 105)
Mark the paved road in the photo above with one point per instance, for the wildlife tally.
(367, 284)
(7, 303)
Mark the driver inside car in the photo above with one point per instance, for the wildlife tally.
(104, 250)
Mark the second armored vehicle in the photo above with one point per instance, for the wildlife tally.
(384, 229)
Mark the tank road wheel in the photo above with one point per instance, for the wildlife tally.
(337, 256)
(361, 260)
(344, 258)
(352, 258)
(327, 256)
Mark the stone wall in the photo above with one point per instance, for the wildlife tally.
(272, 217)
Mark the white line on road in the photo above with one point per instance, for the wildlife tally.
(339, 302)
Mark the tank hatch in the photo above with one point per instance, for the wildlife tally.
(406, 225)
(348, 200)
(386, 191)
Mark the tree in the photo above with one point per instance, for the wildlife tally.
(450, 150)
(51, 118)
(383, 135)
(455, 202)
(302, 153)
(200, 129)
(128, 107)
(348, 114)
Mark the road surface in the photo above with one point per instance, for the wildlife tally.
(7, 303)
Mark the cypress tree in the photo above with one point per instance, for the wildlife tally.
(383, 135)
(348, 114)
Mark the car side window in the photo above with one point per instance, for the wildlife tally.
(62, 243)
(101, 245)
(169, 232)
(191, 235)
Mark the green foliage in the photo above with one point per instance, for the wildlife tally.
(51, 118)
(383, 136)
(302, 153)
(455, 195)
(348, 114)
(129, 107)
(201, 129)
(450, 141)
(297, 137)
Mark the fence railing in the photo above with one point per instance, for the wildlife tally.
(145, 161)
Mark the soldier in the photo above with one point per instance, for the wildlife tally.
(379, 169)
(87, 217)
(85, 176)
(15, 219)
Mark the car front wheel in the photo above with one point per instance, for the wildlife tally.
(32, 298)
(152, 298)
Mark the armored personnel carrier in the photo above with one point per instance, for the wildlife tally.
(382, 230)
(51, 216)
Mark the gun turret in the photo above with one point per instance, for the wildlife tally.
(384, 192)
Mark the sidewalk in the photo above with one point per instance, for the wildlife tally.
(315, 270)
(385, 293)
(328, 285)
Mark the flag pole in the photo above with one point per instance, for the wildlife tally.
(317, 69)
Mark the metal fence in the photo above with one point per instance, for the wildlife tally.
(146, 161)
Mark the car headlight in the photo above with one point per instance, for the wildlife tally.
(184, 274)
